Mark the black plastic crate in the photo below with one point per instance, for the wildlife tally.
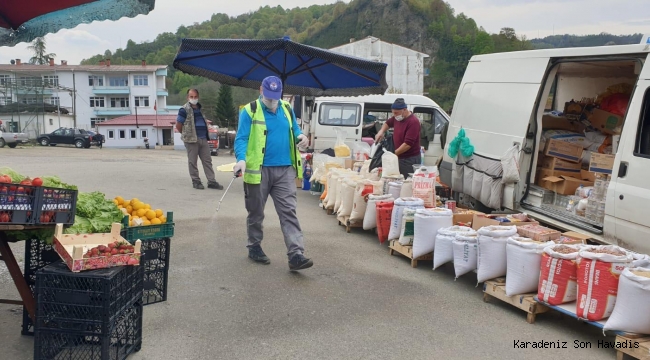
(18, 203)
(91, 342)
(70, 301)
(55, 206)
(155, 260)
(38, 254)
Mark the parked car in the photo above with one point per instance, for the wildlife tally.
(11, 139)
(66, 136)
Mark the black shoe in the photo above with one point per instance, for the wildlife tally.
(215, 185)
(198, 185)
(299, 262)
(257, 254)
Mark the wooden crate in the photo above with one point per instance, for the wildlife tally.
(345, 221)
(407, 250)
(642, 352)
(497, 289)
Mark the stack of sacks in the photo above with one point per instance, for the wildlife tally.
(427, 224)
(492, 242)
(444, 249)
(558, 276)
(396, 219)
(359, 204)
(524, 258)
(632, 309)
(465, 247)
(599, 269)
(370, 218)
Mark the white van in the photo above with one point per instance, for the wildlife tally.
(321, 115)
(502, 100)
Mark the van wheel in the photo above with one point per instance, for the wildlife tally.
(13, 146)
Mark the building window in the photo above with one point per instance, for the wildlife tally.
(143, 133)
(134, 134)
(122, 134)
(111, 134)
(51, 121)
(120, 102)
(5, 100)
(142, 101)
(95, 121)
(5, 79)
(30, 81)
(140, 80)
(55, 100)
(97, 101)
(94, 80)
(30, 100)
(118, 81)
(51, 80)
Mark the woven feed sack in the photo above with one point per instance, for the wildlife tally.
(395, 188)
(339, 188)
(408, 231)
(465, 253)
(370, 218)
(361, 191)
(492, 251)
(332, 183)
(426, 225)
(396, 219)
(444, 245)
(425, 188)
(384, 215)
(524, 259)
(632, 309)
(407, 189)
(386, 183)
(640, 260)
(347, 196)
(558, 274)
(599, 269)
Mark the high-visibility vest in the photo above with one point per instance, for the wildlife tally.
(257, 142)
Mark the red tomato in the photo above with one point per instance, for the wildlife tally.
(37, 182)
(4, 218)
(26, 181)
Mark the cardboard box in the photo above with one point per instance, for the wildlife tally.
(538, 233)
(606, 122)
(480, 221)
(563, 150)
(601, 163)
(572, 237)
(465, 217)
(564, 185)
(544, 173)
(586, 175)
(550, 122)
(553, 163)
(349, 163)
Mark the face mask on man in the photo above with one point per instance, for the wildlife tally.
(399, 117)
(194, 101)
(269, 103)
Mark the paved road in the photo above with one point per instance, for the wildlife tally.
(357, 302)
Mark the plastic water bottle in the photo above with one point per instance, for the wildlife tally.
(306, 175)
(422, 155)
(579, 191)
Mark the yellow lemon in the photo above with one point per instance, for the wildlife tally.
(129, 208)
(116, 202)
(156, 221)
(119, 199)
(126, 203)
(163, 219)
(147, 206)
(130, 222)
(159, 213)
(142, 212)
(146, 222)
(150, 214)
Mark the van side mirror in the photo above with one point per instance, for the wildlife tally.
(443, 135)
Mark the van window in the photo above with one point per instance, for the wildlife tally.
(642, 147)
(431, 116)
(339, 114)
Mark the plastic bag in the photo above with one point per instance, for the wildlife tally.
(615, 104)
(340, 149)
(389, 164)
(386, 145)
(360, 151)
(460, 143)
(510, 164)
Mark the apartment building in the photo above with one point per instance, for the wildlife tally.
(37, 99)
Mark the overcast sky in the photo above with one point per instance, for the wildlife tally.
(530, 17)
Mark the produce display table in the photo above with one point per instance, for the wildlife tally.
(14, 270)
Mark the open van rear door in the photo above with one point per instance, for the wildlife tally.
(331, 115)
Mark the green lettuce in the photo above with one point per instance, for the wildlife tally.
(55, 182)
(95, 214)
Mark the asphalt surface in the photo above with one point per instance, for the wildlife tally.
(357, 302)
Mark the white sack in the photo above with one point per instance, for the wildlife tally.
(444, 249)
(370, 218)
(347, 197)
(492, 251)
(407, 231)
(389, 164)
(425, 189)
(394, 188)
(365, 169)
(632, 309)
(510, 164)
(339, 188)
(359, 204)
(558, 274)
(465, 253)
(407, 189)
(524, 260)
(332, 185)
(640, 260)
(427, 223)
(396, 216)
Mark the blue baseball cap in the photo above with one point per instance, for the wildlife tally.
(272, 88)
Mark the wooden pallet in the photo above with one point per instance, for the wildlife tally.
(407, 250)
(345, 221)
(642, 352)
(497, 289)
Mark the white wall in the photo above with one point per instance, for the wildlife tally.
(34, 125)
(128, 142)
(404, 73)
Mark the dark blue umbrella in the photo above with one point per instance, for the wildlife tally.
(304, 70)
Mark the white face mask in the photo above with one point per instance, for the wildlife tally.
(271, 104)
(194, 101)
(399, 117)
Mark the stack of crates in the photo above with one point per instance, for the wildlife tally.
(156, 242)
(89, 315)
(38, 254)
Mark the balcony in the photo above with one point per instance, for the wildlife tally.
(162, 92)
(33, 91)
(111, 90)
(161, 72)
(112, 111)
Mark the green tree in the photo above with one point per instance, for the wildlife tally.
(225, 107)
(41, 57)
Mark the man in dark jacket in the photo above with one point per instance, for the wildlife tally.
(406, 136)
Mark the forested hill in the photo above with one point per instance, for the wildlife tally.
(564, 41)
(429, 26)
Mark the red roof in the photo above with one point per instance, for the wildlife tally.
(164, 121)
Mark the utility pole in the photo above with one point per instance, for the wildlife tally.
(74, 100)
